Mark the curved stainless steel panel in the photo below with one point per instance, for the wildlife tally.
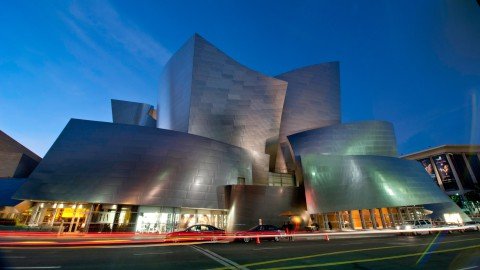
(337, 183)
(360, 138)
(212, 95)
(249, 203)
(232, 103)
(312, 101)
(125, 164)
(173, 110)
(132, 113)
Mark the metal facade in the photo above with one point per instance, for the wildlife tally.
(125, 164)
(248, 204)
(16, 160)
(222, 100)
(312, 101)
(8, 187)
(173, 111)
(220, 123)
(132, 113)
(360, 138)
(9, 145)
(336, 183)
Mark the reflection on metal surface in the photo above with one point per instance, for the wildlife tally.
(220, 123)
(335, 183)
(205, 92)
(360, 138)
(312, 101)
(126, 164)
(132, 113)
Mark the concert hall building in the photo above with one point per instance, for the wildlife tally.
(229, 146)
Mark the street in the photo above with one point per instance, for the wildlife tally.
(440, 251)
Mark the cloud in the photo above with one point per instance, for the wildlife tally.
(102, 18)
(113, 54)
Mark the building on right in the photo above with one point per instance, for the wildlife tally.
(456, 170)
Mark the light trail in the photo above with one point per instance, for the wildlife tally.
(138, 240)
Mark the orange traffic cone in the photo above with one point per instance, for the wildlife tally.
(258, 240)
(327, 238)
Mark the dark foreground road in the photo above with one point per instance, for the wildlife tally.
(457, 251)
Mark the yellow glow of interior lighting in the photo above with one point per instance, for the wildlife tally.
(42, 205)
(80, 206)
(296, 219)
(60, 206)
(452, 218)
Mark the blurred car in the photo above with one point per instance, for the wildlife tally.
(472, 225)
(200, 232)
(407, 225)
(268, 232)
(416, 224)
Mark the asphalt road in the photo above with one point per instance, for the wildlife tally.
(443, 251)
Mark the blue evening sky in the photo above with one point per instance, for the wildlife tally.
(414, 63)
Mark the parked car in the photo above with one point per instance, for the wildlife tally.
(274, 233)
(200, 232)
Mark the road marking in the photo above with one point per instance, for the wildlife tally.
(373, 259)
(350, 244)
(428, 248)
(152, 253)
(349, 251)
(267, 248)
(471, 267)
(222, 260)
(33, 267)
